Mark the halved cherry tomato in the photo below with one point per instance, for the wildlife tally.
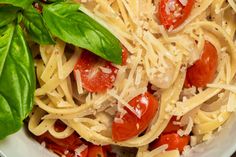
(203, 70)
(173, 13)
(93, 78)
(173, 140)
(60, 146)
(171, 128)
(146, 106)
(96, 151)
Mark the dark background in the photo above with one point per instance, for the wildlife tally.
(234, 155)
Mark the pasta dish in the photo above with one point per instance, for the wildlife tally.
(173, 90)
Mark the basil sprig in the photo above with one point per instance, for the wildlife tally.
(60, 19)
(66, 22)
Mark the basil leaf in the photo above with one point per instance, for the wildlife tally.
(66, 22)
(17, 79)
(35, 27)
(18, 3)
(7, 14)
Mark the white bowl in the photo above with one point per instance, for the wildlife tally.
(223, 144)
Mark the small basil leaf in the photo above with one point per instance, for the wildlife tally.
(66, 22)
(35, 27)
(17, 79)
(8, 14)
(18, 3)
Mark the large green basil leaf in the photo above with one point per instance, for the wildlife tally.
(66, 22)
(17, 79)
(8, 13)
(18, 3)
(35, 27)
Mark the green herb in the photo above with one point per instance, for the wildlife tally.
(35, 27)
(17, 79)
(66, 22)
(18, 3)
(8, 13)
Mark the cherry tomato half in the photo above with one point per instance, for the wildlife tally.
(146, 105)
(93, 78)
(96, 151)
(203, 70)
(173, 13)
(173, 140)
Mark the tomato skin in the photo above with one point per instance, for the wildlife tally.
(171, 18)
(60, 146)
(92, 77)
(173, 140)
(96, 151)
(145, 104)
(171, 128)
(84, 153)
(203, 70)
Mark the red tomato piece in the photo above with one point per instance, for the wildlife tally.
(60, 146)
(203, 70)
(96, 151)
(171, 128)
(173, 13)
(173, 140)
(84, 153)
(146, 105)
(93, 78)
